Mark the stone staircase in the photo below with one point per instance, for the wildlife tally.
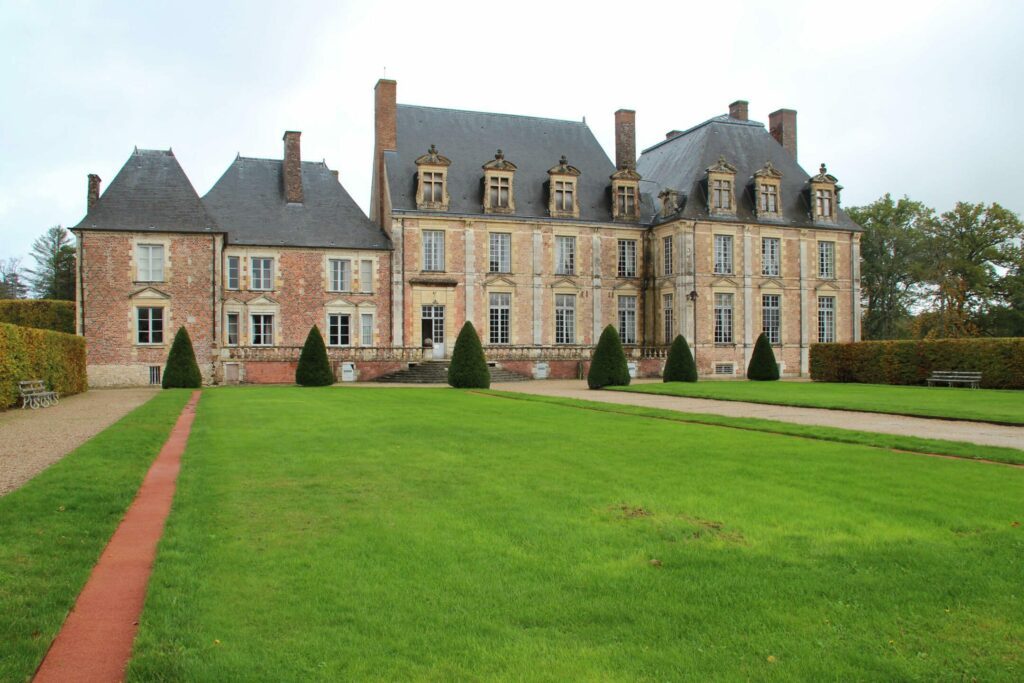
(436, 372)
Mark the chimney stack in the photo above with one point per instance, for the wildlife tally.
(673, 134)
(385, 139)
(292, 168)
(738, 110)
(94, 191)
(625, 139)
(782, 125)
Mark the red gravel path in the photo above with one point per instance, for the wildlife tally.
(96, 640)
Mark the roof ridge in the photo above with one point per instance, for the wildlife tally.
(494, 113)
(721, 118)
(239, 157)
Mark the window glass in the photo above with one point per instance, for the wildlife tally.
(668, 315)
(366, 327)
(341, 275)
(770, 256)
(338, 331)
(150, 258)
(150, 325)
(627, 319)
(723, 318)
(627, 258)
(565, 318)
(433, 250)
(826, 319)
(262, 273)
(771, 320)
(723, 254)
(500, 316)
(231, 329)
(500, 252)
(565, 255)
(666, 251)
(366, 276)
(262, 329)
(826, 259)
(234, 271)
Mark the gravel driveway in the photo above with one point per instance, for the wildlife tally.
(32, 440)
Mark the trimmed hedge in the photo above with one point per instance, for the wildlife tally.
(1000, 361)
(27, 353)
(608, 367)
(182, 371)
(43, 314)
(679, 367)
(314, 368)
(468, 368)
(763, 367)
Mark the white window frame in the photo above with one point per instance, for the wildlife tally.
(771, 256)
(722, 191)
(723, 255)
(771, 318)
(150, 318)
(826, 260)
(339, 274)
(499, 316)
(565, 318)
(627, 319)
(668, 316)
(262, 332)
(666, 255)
(826, 319)
(625, 196)
(233, 270)
(627, 258)
(366, 329)
(500, 190)
(237, 328)
(433, 251)
(724, 308)
(824, 204)
(334, 329)
(565, 255)
(366, 276)
(265, 281)
(500, 252)
(149, 262)
(769, 198)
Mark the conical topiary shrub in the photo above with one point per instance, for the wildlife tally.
(762, 362)
(680, 366)
(181, 370)
(314, 368)
(468, 368)
(608, 366)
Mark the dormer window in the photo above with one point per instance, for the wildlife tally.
(498, 185)
(767, 190)
(669, 202)
(626, 194)
(824, 193)
(721, 188)
(563, 201)
(432, 192)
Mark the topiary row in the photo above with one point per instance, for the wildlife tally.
(43, 314)
(27, 353)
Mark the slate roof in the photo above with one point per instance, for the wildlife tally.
(470, 139)
(680, 163)
(151, 193)
(248, 204)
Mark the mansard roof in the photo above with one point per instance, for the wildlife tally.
(151, 193)
(469, 139)
(248, 204)
(680, 163)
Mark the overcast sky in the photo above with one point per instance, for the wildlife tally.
(909, 98)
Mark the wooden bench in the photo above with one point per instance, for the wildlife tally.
(951, 377)
(34, 394)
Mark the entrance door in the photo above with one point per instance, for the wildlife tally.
(433, 328)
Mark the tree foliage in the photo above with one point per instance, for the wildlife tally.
(181, 370)
(54, 274)
(12, 280)
(314, 369)
(679, 367)
(763, 366)
(608, 366)
(468, 367)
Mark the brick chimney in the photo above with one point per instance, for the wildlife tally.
(94, 190)
(738, 110)
(625, 139)
(782, 125)
(385, 139)
(292, 168)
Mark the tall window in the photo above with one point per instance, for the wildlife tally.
(366, 276)
(565, 318)
(771, 249)
(668, 316)
(234, 269)
(501, 252)
(823, 203)
(150, 325)
(500, 189)
(338, 329)
(769, 198)
(341, 275)
(565, 255)
(501, 305)
(627, 319)
(433, 187)
(625, 196)
(826, 260)
(826, 319)
(150, 259)
(666, 252)
(366, 329)
(723, 254)
(722, 193)
(627, 258)
(433, 250)
(262, 329)
(262, 273)
(564, 191)
(723, 318)
(771, 317)
(231, 329)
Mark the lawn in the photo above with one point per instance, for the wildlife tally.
(985, 405)
(351, 533)
(53, 529)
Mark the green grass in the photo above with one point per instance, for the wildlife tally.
(1002, 406)
(898, 442)
(341, 533)
(53, 529)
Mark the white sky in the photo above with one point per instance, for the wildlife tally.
(902, 97)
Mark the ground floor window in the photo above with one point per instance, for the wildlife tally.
(263, 329)
(500, 316)
(154, 374)
(231, 329)
(338, 329)
(366, 329)
(723, 318)
(771, 317)
(565, 318)
(150, 327)
(826, 319)
(668, 315)
(627, 319)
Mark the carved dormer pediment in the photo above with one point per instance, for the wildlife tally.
(627, 173)
(722, 166)
(823, 196)
(499, 185)
(824, 176)
(433, 158)
(563, 167)
(768, 171)
(499, 163)
(563, 198)
(432, 180)
(151, 293)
